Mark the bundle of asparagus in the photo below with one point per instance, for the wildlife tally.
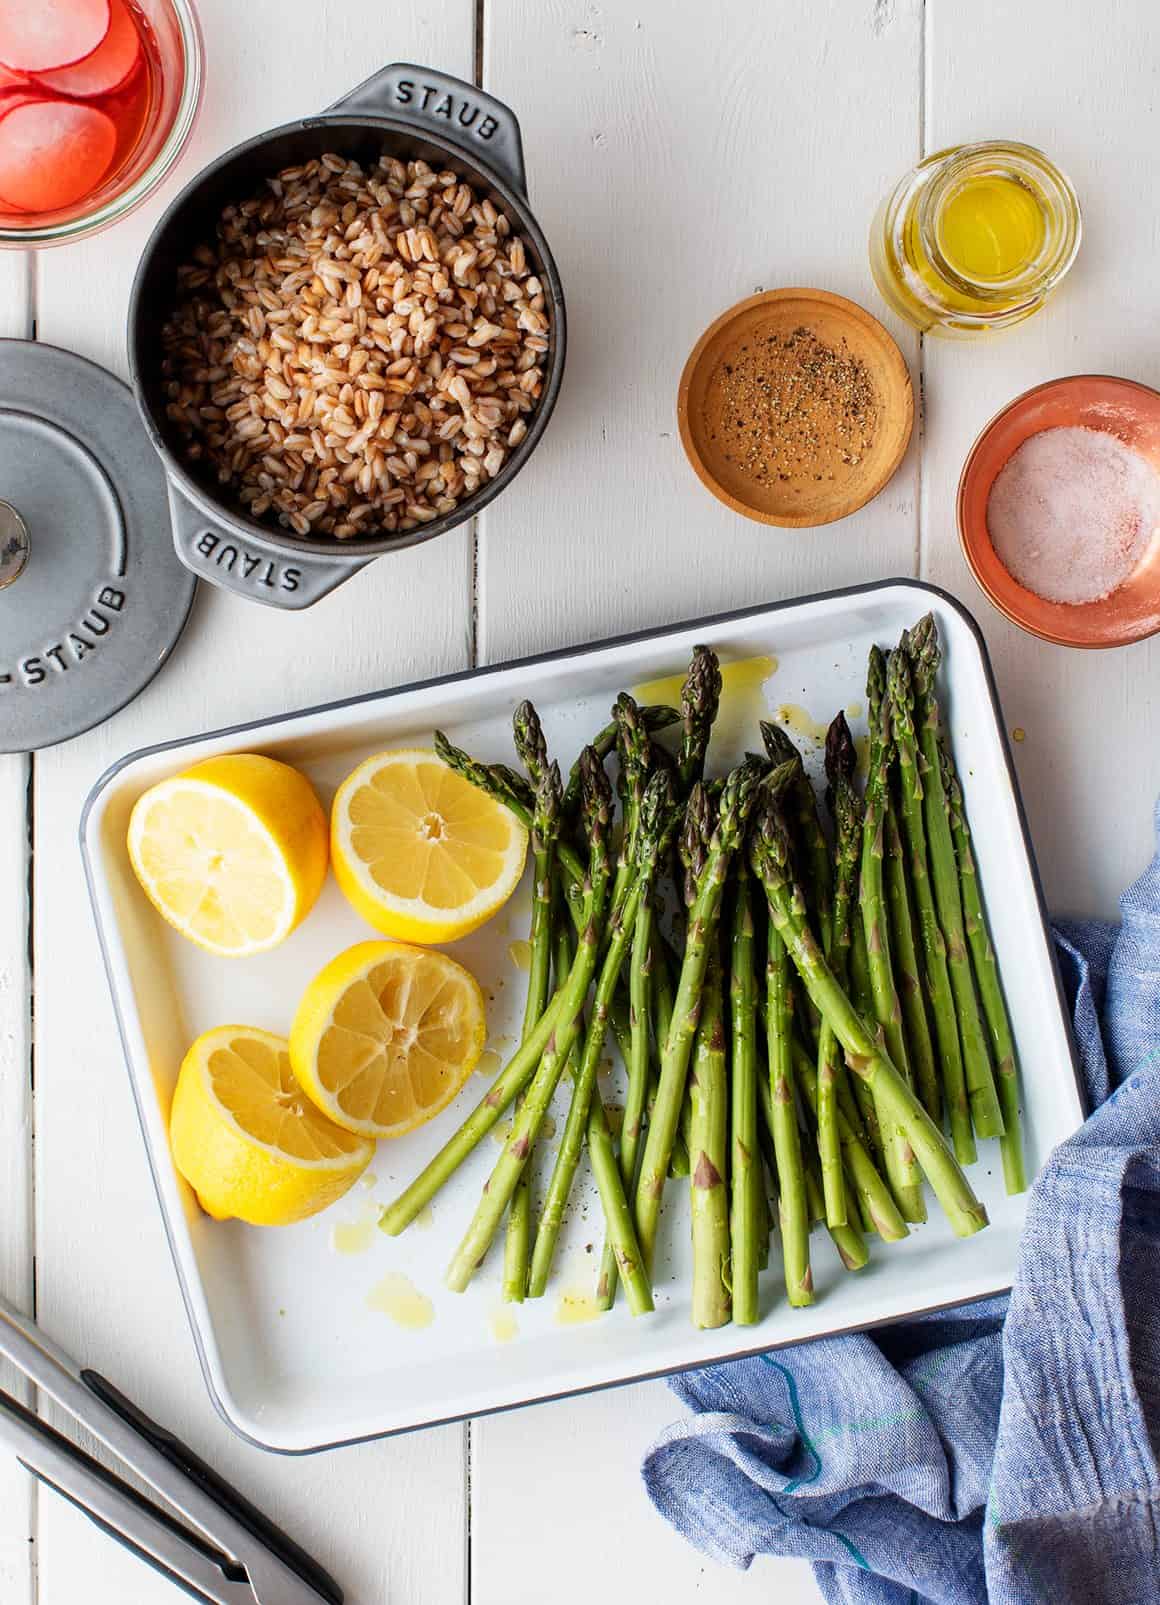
(822, 1092)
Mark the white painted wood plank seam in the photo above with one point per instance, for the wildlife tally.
(18, 1495)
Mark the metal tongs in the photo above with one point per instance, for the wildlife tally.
(224, 1551)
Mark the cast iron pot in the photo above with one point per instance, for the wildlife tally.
(409, 112)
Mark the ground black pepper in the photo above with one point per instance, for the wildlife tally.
(792, 407)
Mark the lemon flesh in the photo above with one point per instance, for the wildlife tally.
(421, 853)
(232, 852)
(386, 1035)
(246, 1138)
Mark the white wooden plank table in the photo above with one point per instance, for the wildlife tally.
(679, 157)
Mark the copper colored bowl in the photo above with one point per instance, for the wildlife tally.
(1120, 407)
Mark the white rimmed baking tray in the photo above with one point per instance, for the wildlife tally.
(293, 1355)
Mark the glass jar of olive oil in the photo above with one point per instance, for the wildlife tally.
(975, 238)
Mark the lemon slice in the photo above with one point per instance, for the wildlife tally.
(386, 1035)
(231, 852)
(421, 853)
(248, 1141)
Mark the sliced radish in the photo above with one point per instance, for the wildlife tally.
(41, 35)
(11, 98)
(108, 66)
(9, 79)
(52, 153)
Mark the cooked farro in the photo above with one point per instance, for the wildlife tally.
(358, 351)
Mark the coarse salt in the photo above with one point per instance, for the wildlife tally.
(1072, 513)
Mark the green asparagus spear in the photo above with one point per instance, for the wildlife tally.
(497, 1192)
(617, 1209)
(888, 1008)
(829, 1142)
(700, 699)
(634, 751)
(708, 1148)
(745, 1180)
(664, 998)
(761, 1193)
(865, 1056)
(697, 829)
(846, 1238)
(638, 1064)
(908, 971)
(934, 949)
(704, 1117)
(793, 1210)
(820, 880)
(545, 779)
(852, 962)
(901, 1164)
(990, 986)
(841, 759)
(801, 809)
(986, 1113)
(544, 836)
(863, 995)
(737, 803)
(640, 991)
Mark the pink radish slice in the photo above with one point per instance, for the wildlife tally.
(15, 97)
(9, 80)
(108, 66)
(41, 35)
(52, 153)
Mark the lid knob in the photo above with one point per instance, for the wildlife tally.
(14, 544)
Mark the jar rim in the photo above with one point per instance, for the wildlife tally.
(1019, 161)
(119, 206)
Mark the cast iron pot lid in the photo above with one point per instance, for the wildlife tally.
(92, 596)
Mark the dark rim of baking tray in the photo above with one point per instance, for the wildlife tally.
(143, 330)
(631, 638)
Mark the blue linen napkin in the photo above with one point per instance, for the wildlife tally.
(1006, 1451)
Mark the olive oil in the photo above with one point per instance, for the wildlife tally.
(975, 238)
(503, 1326)
(356, 1236)
(489, 1064)
(576, 1309)
(990, 227)
(801, 723)
(397, 1296)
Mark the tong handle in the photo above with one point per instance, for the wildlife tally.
(121, 1511)
(128, 1543)
(247, 1515)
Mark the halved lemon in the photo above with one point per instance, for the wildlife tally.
(386, 1035)
(421, 853)
(232, 852)
(247, 1139)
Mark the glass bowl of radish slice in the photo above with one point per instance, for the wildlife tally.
(97, 101)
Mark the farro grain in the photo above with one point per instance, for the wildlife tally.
(359, 350)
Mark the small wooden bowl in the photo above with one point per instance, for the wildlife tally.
(1120, 407)
(802, 501)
